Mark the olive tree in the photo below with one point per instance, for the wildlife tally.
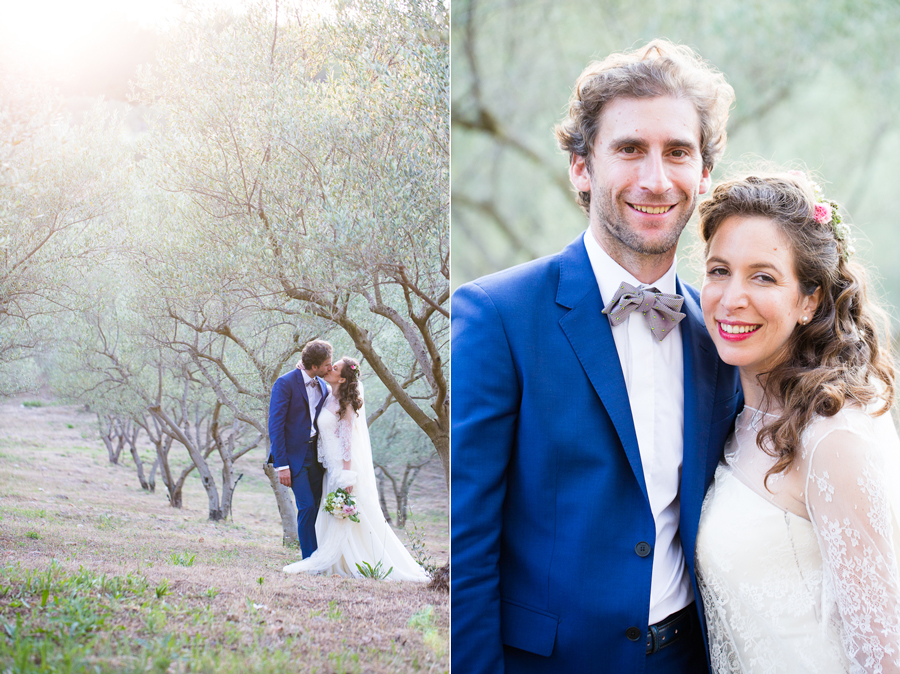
(306, 160)
(59, 183)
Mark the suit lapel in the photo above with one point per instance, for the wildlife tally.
(301, 382)
(701, 368)
(590, 335)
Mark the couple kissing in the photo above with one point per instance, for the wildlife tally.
(319, 442)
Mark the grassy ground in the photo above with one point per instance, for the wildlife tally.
(98, 576)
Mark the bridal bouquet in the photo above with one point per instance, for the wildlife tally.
(340, 504)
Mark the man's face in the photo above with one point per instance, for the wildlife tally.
(323, 369)
(646, 174)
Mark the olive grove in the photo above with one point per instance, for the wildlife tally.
(289, 181)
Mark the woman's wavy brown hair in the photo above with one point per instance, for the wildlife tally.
(842, 355)
(348, 394)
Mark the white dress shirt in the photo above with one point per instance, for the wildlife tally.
(314, 395)
(654, 378)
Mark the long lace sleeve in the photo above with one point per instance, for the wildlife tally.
(344, 431)
(849, 507)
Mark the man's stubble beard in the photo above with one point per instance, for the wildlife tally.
(613, 224)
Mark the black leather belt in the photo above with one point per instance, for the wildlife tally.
(667, 631)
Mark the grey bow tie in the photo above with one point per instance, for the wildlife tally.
(313, 383)
(660, 309)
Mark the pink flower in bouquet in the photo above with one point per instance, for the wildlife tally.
(823, 214)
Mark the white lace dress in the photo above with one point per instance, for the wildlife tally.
(342, 543)
(805, 579)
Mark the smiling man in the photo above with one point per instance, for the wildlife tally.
(579, 463)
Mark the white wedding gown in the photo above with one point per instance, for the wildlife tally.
(805, 579)
(343, 543)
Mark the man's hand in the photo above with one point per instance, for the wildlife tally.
(284, 477)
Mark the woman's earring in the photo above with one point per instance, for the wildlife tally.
(804, 320)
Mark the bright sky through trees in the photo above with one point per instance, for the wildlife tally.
(48, 31)
(62, 41)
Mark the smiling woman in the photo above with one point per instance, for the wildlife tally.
(799, 538)
(752, 300)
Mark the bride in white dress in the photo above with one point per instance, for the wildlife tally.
(798, 546)
(345, 452)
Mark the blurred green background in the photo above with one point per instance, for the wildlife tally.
(817, 86)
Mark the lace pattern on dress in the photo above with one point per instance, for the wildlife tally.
(343, 431)
(805, 579)
(851, 514)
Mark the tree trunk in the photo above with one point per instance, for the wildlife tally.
(175, 498)
(225, 448)
(401, 491)
(173, 487)
(442, 447)
(198, 458)
(132, 436)
(212, 493)
(409, 476)
(286, 508)
(381, 500)
(163, 444)
(151, 481)
(112, 436)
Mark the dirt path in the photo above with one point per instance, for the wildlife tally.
(60, 499)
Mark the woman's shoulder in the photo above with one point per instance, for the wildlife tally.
(854, 430)
(850, 416)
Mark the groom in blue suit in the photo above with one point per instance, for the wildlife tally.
(589, 405)
(297, 398)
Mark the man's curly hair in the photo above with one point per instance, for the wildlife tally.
(661, 68)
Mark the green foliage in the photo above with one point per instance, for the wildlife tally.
(107, 521)
(57, 185)
(416, 544)
(423, 620)
(366, 570)
(294, 228)
(334, 612)
(292, 183)
(396, 440)
(32, 534)
(55, 621)
(162, 589)
(58, 617)
(32, 403)
(182, 558)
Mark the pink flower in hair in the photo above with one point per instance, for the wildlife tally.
(823, 214)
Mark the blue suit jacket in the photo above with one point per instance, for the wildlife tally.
(290, 423)
(549, 499)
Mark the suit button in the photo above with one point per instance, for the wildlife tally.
(633, 633)
(642, 549)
